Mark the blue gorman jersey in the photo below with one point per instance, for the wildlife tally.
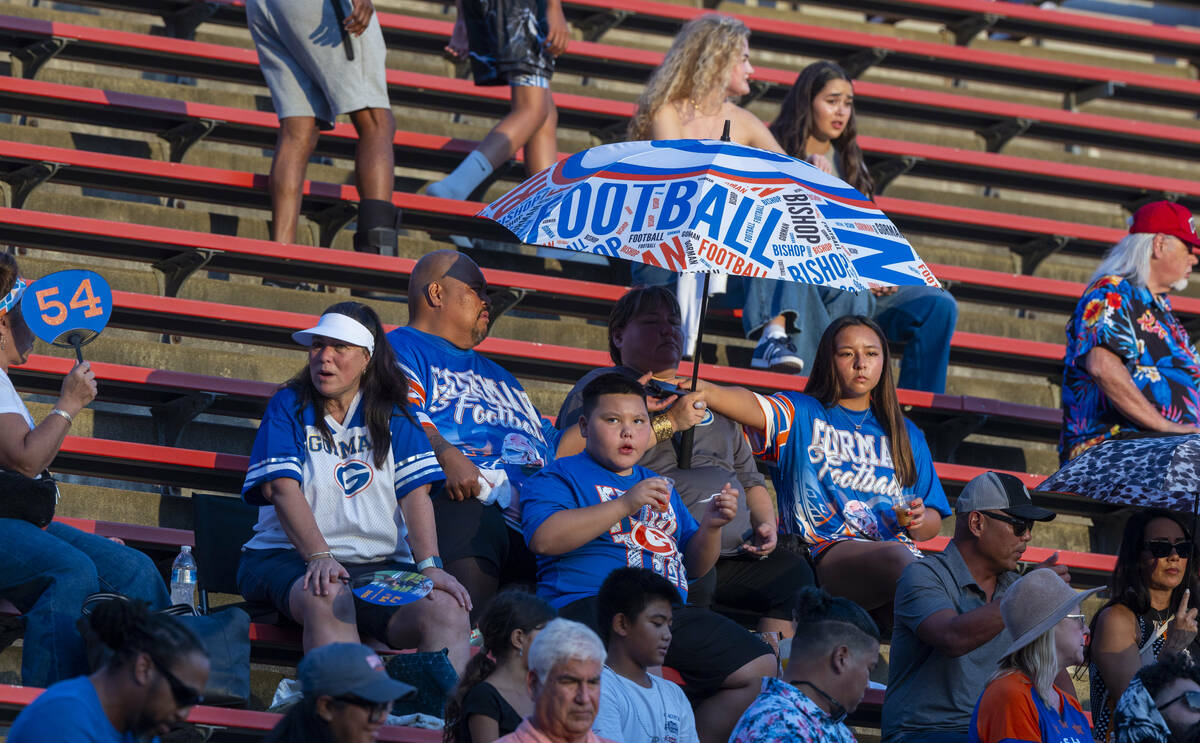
(833, 471)
(354, 502)
(648, 539)
(475, 405)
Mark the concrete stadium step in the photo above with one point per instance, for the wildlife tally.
(1030, 390)
(124, 505)
(125, 423)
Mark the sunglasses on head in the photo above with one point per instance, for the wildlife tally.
(185, 696)
(1019, 526)
(376, 711)
(1190, 698)
(1160, 548)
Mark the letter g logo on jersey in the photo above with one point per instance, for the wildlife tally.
(353, 476)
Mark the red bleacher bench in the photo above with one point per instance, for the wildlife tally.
(228, 724)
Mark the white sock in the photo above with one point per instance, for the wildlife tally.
(459, 184)
(771, 330)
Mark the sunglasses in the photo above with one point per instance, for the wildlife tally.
(376, 711)
(1190, 698)
(1160, 548)
(185, 696)
(1019, 526)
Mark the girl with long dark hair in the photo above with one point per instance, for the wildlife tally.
(1151, 614)
(854, 478)
(816, 123)
(336, 449)
(492, 697)
(155, 671)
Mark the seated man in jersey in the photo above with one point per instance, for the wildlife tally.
(487, 435)
(588, 514)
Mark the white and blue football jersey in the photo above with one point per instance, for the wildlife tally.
(356, 504)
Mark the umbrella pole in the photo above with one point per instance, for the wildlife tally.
(685, 445)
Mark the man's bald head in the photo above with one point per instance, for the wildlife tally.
(447, 296)
(433, 267)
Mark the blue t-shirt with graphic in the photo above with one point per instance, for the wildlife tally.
(475, 405)
(834, 476)
(67, 712)
(353, 501)
(648, 539)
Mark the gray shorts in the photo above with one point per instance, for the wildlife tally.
(300, 49)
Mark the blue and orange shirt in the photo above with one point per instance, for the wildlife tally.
(1010, 711)
(1141, 330)
(834, 476)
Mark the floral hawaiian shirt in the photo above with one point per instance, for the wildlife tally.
(1140, 329)
(783, 714)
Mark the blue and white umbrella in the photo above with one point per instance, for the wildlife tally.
(713, 207)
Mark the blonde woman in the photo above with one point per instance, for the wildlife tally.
(1021, 702)
(690, 96)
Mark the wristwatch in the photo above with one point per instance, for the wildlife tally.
(433, 561)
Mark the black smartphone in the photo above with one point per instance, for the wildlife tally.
(661, 389)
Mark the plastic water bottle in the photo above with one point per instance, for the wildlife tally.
(183, 578)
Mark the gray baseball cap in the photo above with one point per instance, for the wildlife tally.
(348, 668)
(997, 491)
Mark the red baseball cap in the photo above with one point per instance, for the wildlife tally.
(1167, 218)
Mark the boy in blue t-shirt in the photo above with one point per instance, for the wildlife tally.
(587, 515)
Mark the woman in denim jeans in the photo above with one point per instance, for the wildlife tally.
(46, 573)
(816, 124)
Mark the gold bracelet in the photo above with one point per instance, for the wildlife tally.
(663, 430)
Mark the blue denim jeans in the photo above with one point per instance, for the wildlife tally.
(921, 317)
(47, 574)
(808, 309)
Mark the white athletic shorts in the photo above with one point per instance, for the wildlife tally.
(301, 52)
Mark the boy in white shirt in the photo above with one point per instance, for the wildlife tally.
(634, 610)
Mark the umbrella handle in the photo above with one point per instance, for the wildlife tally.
(689, 436)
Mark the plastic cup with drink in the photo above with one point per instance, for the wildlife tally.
(662, 507)
(903, 508)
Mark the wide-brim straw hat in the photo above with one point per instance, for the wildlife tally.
(1038, 600)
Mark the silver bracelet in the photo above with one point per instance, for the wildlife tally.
(63, 413)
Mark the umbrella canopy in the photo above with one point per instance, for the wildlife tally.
(1158, 472)
(714, 207)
